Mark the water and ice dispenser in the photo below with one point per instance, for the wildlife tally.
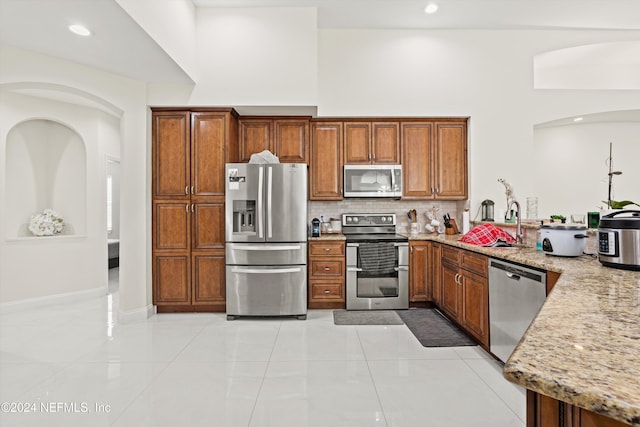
(244, 216)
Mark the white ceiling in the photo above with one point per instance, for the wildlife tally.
(120, 46)
(476, 14)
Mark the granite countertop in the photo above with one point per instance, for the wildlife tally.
(328, 236)
(583, 348)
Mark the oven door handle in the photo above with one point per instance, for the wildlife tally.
(353, 269)
(402, 268)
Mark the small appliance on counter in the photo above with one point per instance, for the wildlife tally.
(619, 240)
(563, 239)
(315, 227)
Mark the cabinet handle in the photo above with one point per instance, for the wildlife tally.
(437, 191)
(186, 207)
(193, 208)
(192, 189)
(186, 190)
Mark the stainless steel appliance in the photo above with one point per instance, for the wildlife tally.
(563, 239)
(266, 235)
(377, 262)
(516, 294)
(619, 240)
(372, 181)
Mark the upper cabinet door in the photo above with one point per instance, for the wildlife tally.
(171, 154)
(357, 142)
(208, 154)
(416, 157)
(450, 165)
(326, 161)
(371, 143)
(385, 143)
(255, 137)
(291, 140)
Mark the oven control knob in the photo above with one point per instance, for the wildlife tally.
(384, 219)
(348, 219)
(390, 219)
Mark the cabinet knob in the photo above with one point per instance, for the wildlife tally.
(327, 291)
(327, 269)
(327, 249)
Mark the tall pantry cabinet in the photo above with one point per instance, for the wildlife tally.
(189, 151)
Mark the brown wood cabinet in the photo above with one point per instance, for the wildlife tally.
(374, 142)
(190, 148)
(544, 411)
(286, 137)
(465, 293)
(326, 161)
(434, 159)
(420, 271)
(436, 262)
(326, 269)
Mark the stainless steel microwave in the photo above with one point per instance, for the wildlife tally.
(372, 181)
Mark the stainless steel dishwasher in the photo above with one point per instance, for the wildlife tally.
(516, 294)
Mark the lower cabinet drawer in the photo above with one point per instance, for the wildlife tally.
(326, 267)
(327, 291)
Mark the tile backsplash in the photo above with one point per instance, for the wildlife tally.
(329, 209)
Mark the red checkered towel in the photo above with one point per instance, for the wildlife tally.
(487, 235)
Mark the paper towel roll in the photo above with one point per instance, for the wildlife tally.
(465, 222)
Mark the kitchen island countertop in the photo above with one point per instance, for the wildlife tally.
(583, 347)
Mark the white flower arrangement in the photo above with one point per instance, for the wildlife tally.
(48, 223)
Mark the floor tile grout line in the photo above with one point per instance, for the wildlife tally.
(492, 389)
(264, 375)
(375, 387)
(142, 392)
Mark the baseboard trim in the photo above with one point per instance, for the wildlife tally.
(38, 302)
(137, 315)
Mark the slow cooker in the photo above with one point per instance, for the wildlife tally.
(619, 240)
(563, 239)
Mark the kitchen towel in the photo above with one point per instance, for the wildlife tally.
(377, 258)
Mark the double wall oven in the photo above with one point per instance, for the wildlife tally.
(377, 263)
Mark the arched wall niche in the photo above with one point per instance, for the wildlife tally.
(45, 168)
(599, 66)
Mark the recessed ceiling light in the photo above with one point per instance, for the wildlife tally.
(431, 8)
(80, 30)
(578, 119)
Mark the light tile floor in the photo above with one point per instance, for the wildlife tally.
(73, 365)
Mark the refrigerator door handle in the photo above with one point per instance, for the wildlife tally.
(269, 202)
(260, 201)
(263, 247)
(265, 270)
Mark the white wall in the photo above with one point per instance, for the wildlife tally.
(22, 71)
(172, 26)
(35, 267)
(572, 169)
(487, 75)
(252, 57)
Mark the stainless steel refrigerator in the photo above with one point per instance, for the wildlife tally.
(266, 239)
